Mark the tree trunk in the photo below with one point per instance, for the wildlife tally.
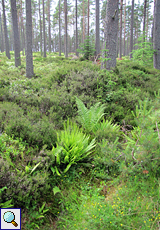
(5, 32)
(40, 22)
(111, 32)
(49, 27)
(44, 34)
(120, 39)
(76, 32)
(65, 12)
(2, 41)
(156, 35)
(131, 37)
(124, 48)
(59, 28)
(16, 34)
(97, 29)
(83, 23)
(29, 56)
(144, 19)
(88, 20)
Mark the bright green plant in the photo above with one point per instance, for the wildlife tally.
(87, 48)
(144, 53)
(89, 118)
(6, 204)
(72, 146)
(106, 129)
(37, 217)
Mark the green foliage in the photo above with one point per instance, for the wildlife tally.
(34, 128)
(87, 48)
(106, 130)
(72, 147)
(89, 118)
(144, 52)
(143, 144)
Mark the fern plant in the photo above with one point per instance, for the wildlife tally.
(72, 146)
(89, 118)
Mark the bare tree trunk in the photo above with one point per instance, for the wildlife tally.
(76, 32)
(59, 28)
(49, 26)
(156, 35)
(83, 23)
(124, 48)
(66, 44)
(44, 34)
(120, 39)
(111, 32)
(144, 19)
(29, 56)
(16, 34)
(40, 22)
(97, 28)
(5, 32)
(88, 20)
(131, 37)
(2, 41)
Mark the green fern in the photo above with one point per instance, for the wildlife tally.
(89, 118)
(72, 146)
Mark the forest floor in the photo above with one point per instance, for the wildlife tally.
(117, 186)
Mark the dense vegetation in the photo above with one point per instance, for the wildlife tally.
(79, 145)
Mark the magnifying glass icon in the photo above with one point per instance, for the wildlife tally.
(9, 217)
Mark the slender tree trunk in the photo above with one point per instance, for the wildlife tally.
(44, 34)
(5, 32)
(111, 32)
(76, 32)
(131, 37)
(144, 19)
(66, 44)
(59, 28)
(49, 26)
(124, 48)
(2, 41)
(83, 23)
(156, 35)
(120, 39)
(29, 56)
(88, 20)
(97, 29)
(16, 34)
(40, 22)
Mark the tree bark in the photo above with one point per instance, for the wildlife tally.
(49, 27)
(2, 40)
(29, 56)
(83, 23)
(5, 32)
(156, 35)
(111, 32)
(88, 20)
(59, 28)
(120, 39)
(40, 22)
(97, 29)
(76, 32)
(65, 13)
(44, 34)
(16, 34)
(144, 19)
(131, 37)
(124, 48)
